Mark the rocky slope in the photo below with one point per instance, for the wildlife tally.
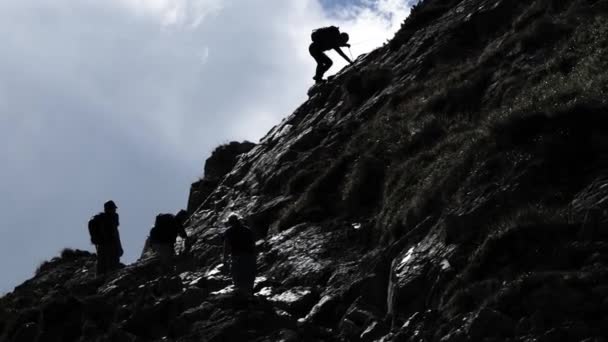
(220, 163)
(452, 186)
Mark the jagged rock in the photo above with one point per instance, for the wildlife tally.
(594, 339)
(455, 336)
(323, 311)
(27, 333)
(490, 322)
(374, 332)
(191, 297)
(288, 336)
(152, 321)
(98, 311)
(120, 336)
(181, 325)
(62, 317)
(220, 163)
(297, 301)
(361, 86)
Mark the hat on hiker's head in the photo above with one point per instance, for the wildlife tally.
(109, 205)
(344, 37)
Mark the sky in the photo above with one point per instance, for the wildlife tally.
(125, 99)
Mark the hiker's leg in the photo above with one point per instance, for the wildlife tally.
(102, 262)
(235, 271)
(166, 254)
(243, 276)
(321, 60)
(239, 274)
(326, 63)
(251, 273)
(113, 257)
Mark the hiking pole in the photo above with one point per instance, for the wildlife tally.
(352, 59)
(361, 42)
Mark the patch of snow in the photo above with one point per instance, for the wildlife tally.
(215, 271)
(225, 290)
(445, 265)
(265, 291)
(408, 256)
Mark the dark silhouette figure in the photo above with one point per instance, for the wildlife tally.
(167, 227)
(103, 229)
(324, 39)
(240, 243)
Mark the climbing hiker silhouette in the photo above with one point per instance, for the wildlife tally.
(324, 39)
(167, 227)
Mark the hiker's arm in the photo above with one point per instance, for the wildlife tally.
(341, 53)
(120, 250)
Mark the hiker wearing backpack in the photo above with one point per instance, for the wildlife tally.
(167, 227)
(324, 39)
(239, 242)
(103, 229)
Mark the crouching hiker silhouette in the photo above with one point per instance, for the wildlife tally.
(240, 244)
(323, 39)
(167, 227)
(103, 229)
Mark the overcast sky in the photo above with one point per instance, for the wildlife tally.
(125, 99)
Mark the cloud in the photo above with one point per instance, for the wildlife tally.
(190, 13)
(124, 99)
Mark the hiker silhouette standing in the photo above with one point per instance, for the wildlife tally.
(103, 229)
(324, 39)
(240, 244)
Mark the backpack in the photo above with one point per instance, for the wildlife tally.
(164, 221)
(96, 229)
(163, 229)
(325, 34)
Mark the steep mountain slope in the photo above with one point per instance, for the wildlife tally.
(452, 186)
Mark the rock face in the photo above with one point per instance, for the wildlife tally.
(222, 160)
(450, 187)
